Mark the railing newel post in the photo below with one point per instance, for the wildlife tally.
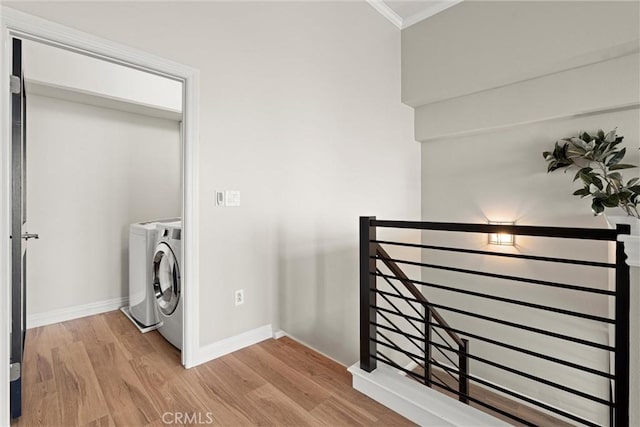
(622, 305)
(368, 298)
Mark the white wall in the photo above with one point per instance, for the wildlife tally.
(484, 127)
(300, 111)
(91, 172)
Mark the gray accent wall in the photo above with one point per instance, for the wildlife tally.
(494, 84)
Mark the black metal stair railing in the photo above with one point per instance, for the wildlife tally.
(383, 313)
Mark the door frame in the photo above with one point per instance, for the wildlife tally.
(16, 23)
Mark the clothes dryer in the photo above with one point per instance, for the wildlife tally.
(167, 281)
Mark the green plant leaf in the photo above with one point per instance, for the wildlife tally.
(546, 155)
(597, 207)
(635, 189)
(611, 136)
(615, 159)
(632, 181)
(600, 134)
(621, 166)
(612, 201)
(583, 192)
(586, 178)
(581, 171)
(597, 182)
(616, 177)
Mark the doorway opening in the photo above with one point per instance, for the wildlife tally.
(172, 279)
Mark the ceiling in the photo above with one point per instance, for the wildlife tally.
(406, 13)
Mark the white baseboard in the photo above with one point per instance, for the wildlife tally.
(416, 402)
(76, 312)
(231, 344)
(280, 333)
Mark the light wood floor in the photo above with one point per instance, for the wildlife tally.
(100, 371)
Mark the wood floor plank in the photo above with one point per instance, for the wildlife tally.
(333, 412)
(80, 398)
(41, 399)
(286, 379)
(105, 421)
(99, 372)
(119, 323)
(327, 373)
(205, 389)
(164, 387)
(230, 381)
(280, 409)
(37, 357)
(127, 400)
(91, 331)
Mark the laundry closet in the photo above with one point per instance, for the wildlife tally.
(104, 152)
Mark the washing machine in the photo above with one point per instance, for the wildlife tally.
(143, 237)
(167, 282)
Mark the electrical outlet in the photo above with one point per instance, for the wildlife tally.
(239, 297)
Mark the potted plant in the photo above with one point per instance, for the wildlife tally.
(598, 160)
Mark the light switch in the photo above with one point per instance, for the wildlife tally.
(219, 198)
(232, 198)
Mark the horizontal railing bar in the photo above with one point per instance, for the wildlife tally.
(508, 323)
(534, 378)
(400, 293)
(443, 385)
(399, 332)
(519, 396)
(500, 254)
(519, 230)
(439, 380)
(401, 276)
(486, 405)
(396, 348)
(410, 337)
(386, 310)
(396, 366)
(516, 348)
(504, 276)
(446, 344)
(399, 311)
(531, 353)
(508, 300)
(393, 328)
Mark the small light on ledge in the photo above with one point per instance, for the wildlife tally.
(502, 238)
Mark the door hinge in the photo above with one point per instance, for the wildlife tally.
(15, 84)
(14, 371)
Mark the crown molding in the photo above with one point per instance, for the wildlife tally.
(387, 12)
(433, 9)
(403, 23)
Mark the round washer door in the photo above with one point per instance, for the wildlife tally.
(166, 279)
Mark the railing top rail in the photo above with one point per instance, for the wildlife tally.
(519, 230)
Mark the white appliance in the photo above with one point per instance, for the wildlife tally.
(142, 310)
(167, 282)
